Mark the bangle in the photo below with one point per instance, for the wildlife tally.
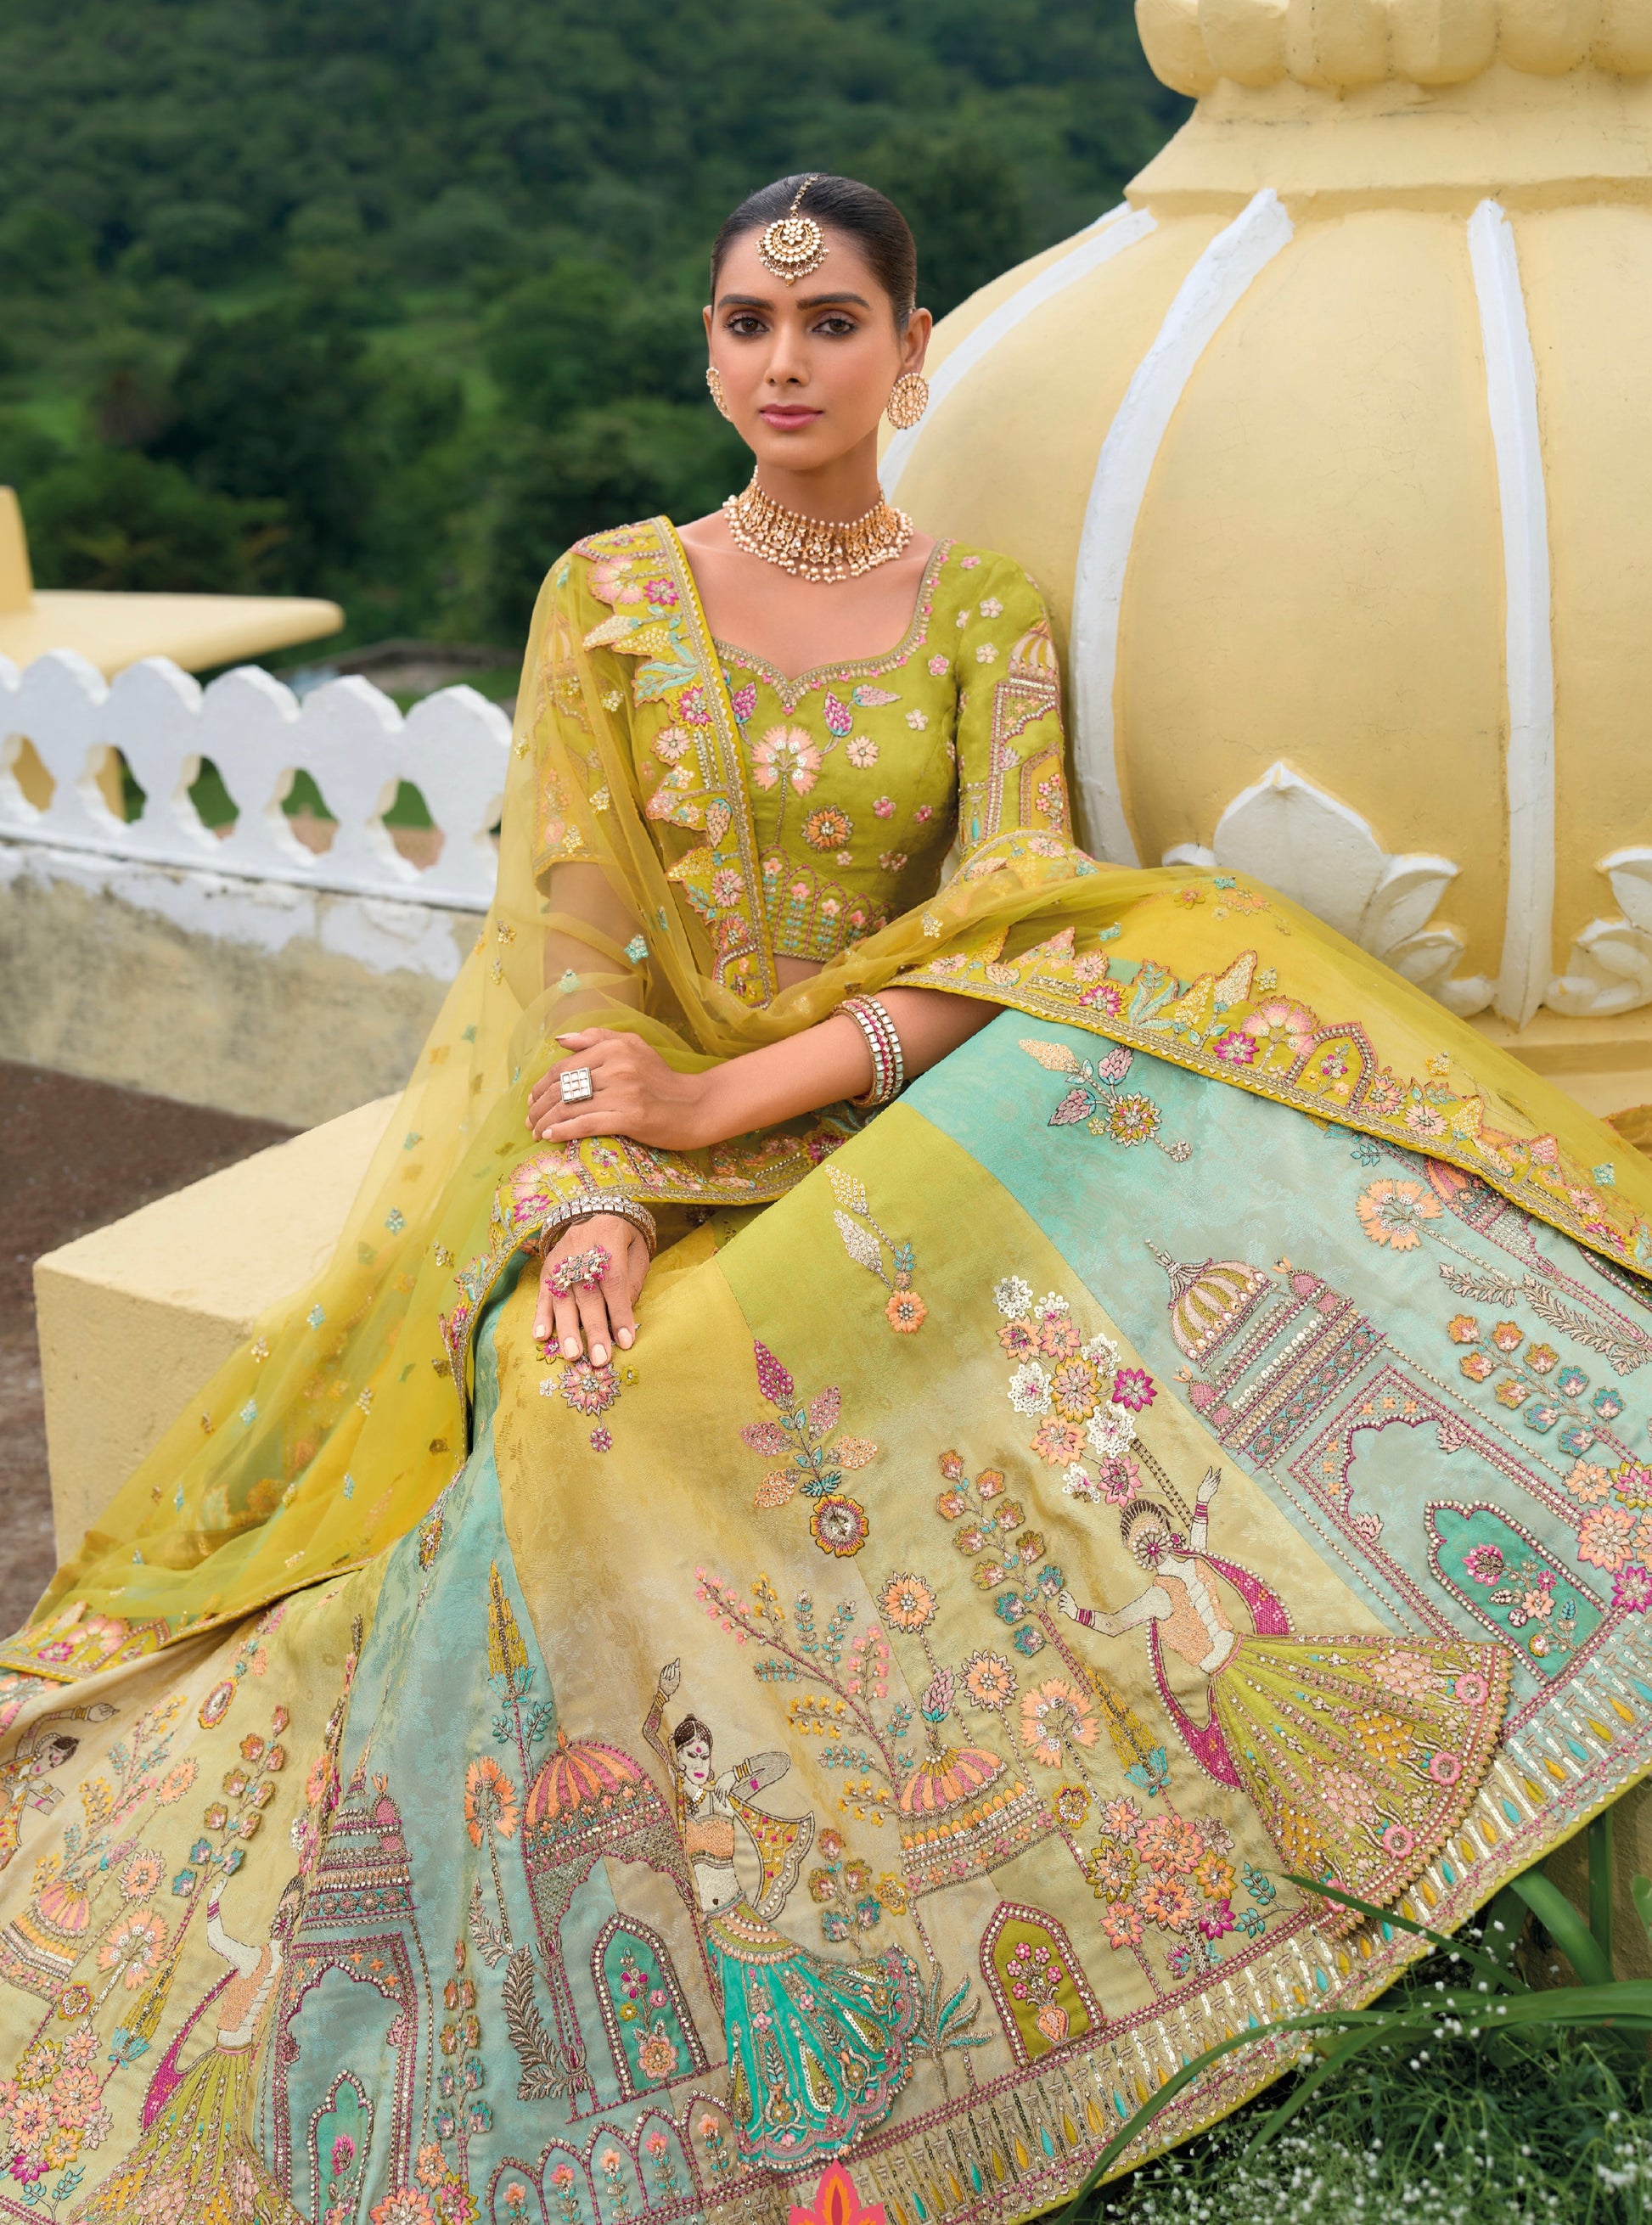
(586, 1203)
(889, 1067)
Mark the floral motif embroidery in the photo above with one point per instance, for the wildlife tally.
(1099, 1098)
(815, 1466)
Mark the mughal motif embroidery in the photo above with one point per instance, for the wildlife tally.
(1360, 1755)
(651, 2035)
(816, 2048)
(1029, 694)
(1036, 1981)
(866, 1242)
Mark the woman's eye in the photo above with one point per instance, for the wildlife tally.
(836, 325)
(745, 326)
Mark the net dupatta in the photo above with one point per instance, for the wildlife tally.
(337, 1427)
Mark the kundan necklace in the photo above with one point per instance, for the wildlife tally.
(816, 548)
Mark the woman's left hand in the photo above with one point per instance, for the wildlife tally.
(634, 1092)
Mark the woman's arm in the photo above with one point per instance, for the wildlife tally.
(1151, 1606)
(636, 1093)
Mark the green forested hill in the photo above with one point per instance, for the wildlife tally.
(389, 299)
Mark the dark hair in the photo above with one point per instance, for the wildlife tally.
(861, 212)
(58, 1749)
(687, 1731)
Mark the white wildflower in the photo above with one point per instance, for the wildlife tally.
(1012, 1297)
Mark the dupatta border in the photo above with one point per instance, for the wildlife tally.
(1605, 1226)
(730, 768)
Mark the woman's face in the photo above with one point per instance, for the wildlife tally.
(695, 1763)
(807, 369)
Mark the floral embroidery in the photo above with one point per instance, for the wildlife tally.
(1097, 1099)
(814, 1467)
(866, 1242)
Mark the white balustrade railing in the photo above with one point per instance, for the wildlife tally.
(355, 745)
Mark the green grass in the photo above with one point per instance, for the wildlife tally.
(1520, 2127)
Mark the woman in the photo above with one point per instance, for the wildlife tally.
(1350, 1749)
(815, 2050)
(657, 1306)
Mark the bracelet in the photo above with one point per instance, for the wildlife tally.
(586, 1203)
(889, 1067)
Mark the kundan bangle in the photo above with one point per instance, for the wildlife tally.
(889, 1067)
(586, 1203)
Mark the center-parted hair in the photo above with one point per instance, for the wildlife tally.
(687, 1731)
(841, 205)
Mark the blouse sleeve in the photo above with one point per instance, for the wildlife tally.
(1010, 775)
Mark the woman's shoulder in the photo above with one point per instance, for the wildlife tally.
(599, 560)
(970, 574)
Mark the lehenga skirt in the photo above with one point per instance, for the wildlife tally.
(864, 1440)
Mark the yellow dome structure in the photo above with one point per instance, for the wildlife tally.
(1333, 448)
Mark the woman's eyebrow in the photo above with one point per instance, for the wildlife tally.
(825, 301)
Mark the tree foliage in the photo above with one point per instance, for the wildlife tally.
(388, 301)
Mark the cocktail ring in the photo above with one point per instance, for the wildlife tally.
(582, 1271)
(577, 1086)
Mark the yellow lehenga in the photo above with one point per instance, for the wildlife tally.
(363, 1646)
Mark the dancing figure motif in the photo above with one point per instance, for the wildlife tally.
(23, 1777)
(1361, 1754)
(196, 2161)
(817, 2049)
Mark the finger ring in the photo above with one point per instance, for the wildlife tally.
(577, 1086)
(580, 1272)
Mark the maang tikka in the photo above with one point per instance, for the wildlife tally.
(794, 246)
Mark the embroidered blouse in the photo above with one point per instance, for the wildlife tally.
(860, 775)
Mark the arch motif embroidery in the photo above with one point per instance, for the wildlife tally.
(651, 2034)
(1035, 1979)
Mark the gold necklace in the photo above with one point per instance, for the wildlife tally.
(816, 548)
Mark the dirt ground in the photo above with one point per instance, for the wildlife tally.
(75, 1155)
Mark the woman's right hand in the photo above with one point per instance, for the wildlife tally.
(595, 1316)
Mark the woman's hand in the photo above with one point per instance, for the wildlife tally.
(595, 1317)
(634, 1092)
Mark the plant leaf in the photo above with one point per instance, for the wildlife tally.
(847, 1189)
(1079, 1103)
(763, 1437)
(865, 1251)
(776, 1488)
(823, 1409)
(1056, 1058)
(853, 1452)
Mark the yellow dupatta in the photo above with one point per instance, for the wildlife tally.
(335, 1429)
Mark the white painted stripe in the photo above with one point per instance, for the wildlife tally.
(1108, 236)
(1511, 398)
(1213, 287)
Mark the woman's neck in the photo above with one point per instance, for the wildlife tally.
(845, 489)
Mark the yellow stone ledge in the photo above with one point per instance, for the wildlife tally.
(135, 1317)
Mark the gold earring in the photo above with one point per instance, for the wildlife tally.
(908, 399)
(714, 383)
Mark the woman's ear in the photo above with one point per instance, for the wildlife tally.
(915, 341)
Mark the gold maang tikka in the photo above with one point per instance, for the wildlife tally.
(794, 246)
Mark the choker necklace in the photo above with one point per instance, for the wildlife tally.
(816, 548)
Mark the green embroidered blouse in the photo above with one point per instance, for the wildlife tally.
(858, 776)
